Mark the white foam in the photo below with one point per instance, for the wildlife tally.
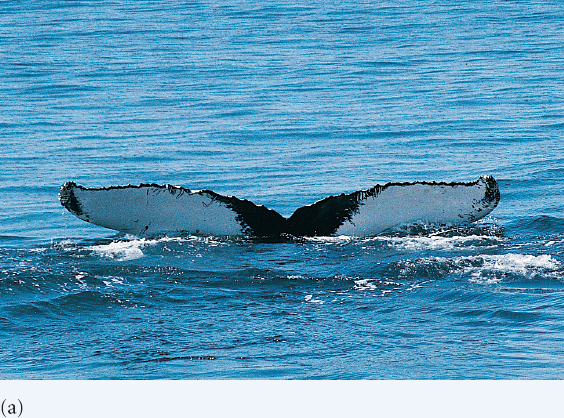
(443, 243)
(364, 284)
(132, 248)
(487, 268)
(310, 298)
(493, 268)
(415, 243)
(437, 243)
(121, 250)
(339, 239)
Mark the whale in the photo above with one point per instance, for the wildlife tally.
(150, 209)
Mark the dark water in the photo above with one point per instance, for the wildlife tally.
(282, 103)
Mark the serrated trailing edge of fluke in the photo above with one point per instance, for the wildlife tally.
(492, 188)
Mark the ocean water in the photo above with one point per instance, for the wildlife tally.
(282, 103)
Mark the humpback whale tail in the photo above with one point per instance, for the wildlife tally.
(151, 209)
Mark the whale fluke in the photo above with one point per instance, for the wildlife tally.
(151, 209)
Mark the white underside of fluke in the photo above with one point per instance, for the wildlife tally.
(150, 209)
(417, 203)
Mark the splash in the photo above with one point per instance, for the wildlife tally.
(121, 250)
(133, 248)
(440, 243)
(495, 268)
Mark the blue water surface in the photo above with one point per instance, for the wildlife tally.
(282, 103)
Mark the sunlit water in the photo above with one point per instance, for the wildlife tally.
(282, 104)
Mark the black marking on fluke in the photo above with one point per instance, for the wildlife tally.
(492, 194)
(256, 220)
(68, 198)
(321, 218)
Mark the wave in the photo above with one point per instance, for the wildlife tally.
(521, 273)
(485, 268)
(122, 247)
(544, 224)
(72, 303)
(380, 264)
(440, 243)
(133, 248)
(495, 268)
